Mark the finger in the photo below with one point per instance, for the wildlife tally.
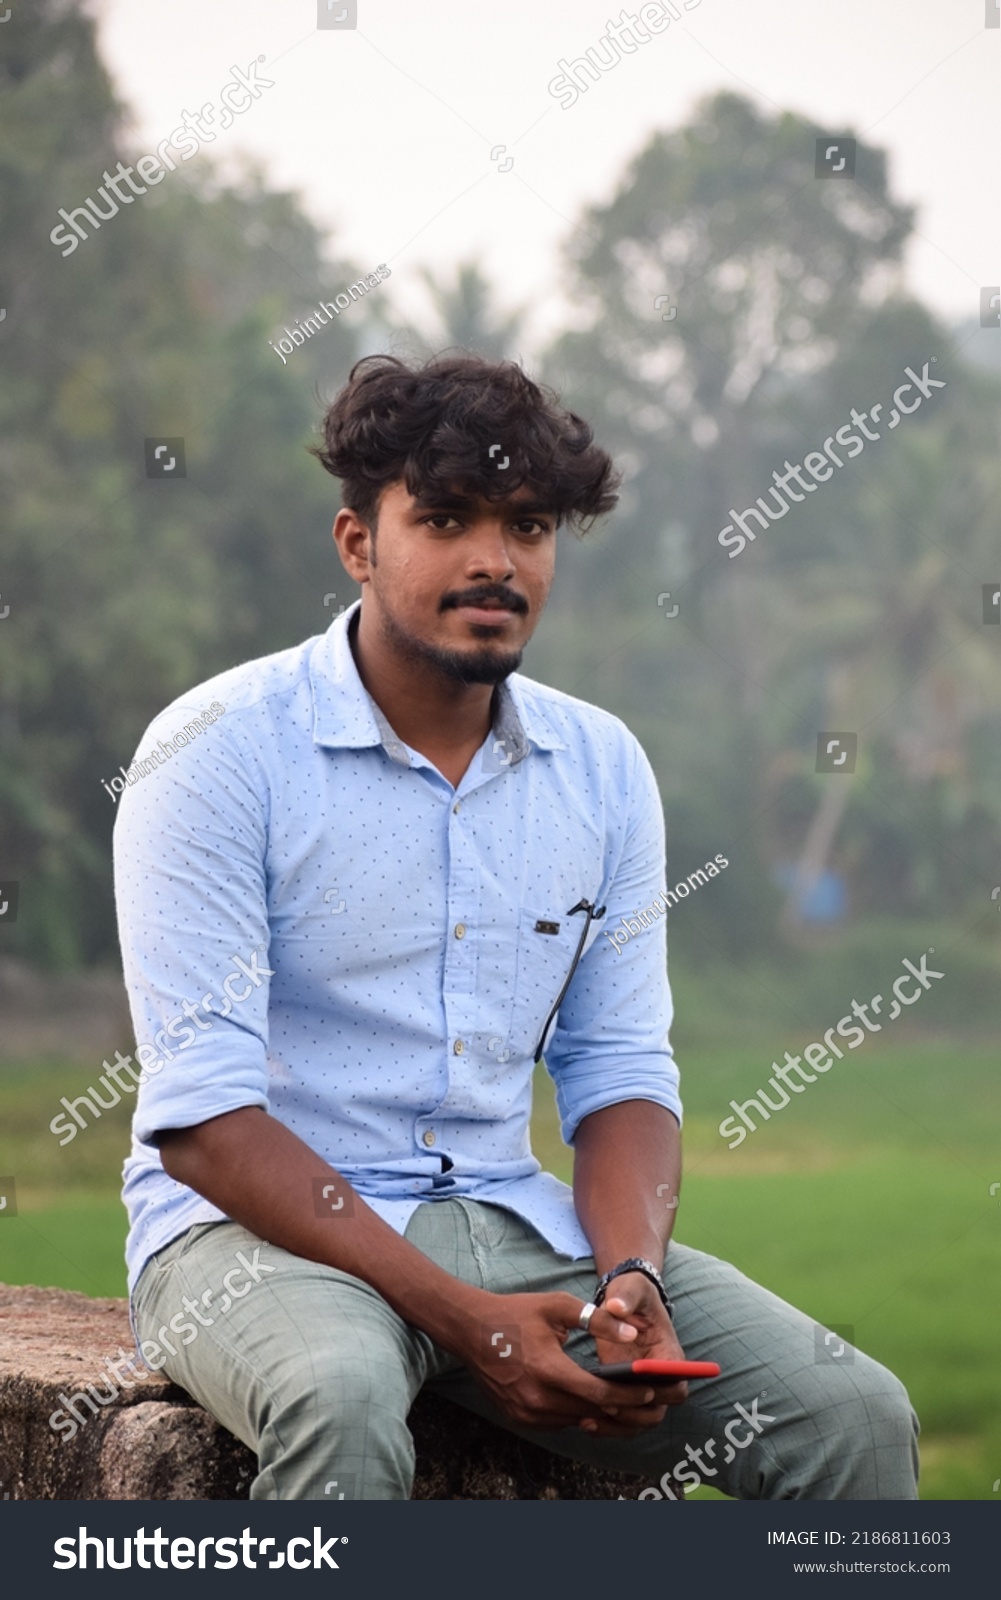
(626, 1301)
(564, 1311)
(602, 1427)
(636, 1416)
(672, 1394)
(620, 1397)
(606, 1324)
(662, 1394)
(601, 1392)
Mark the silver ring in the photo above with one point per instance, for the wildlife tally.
(587, 1312)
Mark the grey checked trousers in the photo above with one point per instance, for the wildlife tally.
(313, 1370)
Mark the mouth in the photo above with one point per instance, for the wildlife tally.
(488, 612)
(491, 613)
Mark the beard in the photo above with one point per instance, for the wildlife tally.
(486, 665)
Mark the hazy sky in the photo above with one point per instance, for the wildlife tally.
(387, 129)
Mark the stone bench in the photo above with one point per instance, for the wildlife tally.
(151, 1441)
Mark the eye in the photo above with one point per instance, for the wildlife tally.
(440, 517)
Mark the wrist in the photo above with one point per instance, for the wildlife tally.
(639, 1236)
(633, 1266)
(643, 1250)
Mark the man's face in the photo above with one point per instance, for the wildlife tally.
(457, 585)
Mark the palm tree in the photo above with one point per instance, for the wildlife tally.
(465, 318)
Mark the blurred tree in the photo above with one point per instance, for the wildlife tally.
(765, 272)
(737, 308)
(889, 608)
(464, 315)
(124, 591)
(862, 609)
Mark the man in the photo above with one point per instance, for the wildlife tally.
(403, 852)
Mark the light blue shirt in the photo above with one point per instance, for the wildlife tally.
(314, 921)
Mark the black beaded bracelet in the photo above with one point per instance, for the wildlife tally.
(635, 1264)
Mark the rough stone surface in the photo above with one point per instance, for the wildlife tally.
(151, 1441)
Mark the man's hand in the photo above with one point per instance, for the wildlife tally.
(529, 1377)
(631, 1300)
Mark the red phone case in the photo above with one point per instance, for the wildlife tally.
(649, 1371)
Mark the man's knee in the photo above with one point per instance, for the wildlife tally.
(890, 1438)
(349, 1408)
(869, 1433)
(340, 1417)
(343, 1388)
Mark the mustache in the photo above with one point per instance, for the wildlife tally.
(486, 592)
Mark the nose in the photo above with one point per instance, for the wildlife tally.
(491, 554)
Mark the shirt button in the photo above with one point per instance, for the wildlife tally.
(428, 1138)
(460, 930)
(458, 1047)
(455, 808)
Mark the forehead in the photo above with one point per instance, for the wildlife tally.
(396, 497)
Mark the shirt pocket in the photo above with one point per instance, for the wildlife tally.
(544, 964)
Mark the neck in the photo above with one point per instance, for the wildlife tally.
(429, 710)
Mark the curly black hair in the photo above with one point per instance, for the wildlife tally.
(433, 427)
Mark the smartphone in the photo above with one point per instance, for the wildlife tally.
(647, 1372)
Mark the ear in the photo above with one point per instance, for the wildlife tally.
(352, 538)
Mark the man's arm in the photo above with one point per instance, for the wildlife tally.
(627, 1171)
(616, 1080)
(262, 1175)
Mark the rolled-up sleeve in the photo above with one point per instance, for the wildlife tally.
(611, 1042)
(190, 888)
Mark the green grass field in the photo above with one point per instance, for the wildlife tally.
(865, 1202)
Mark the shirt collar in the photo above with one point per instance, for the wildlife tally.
(346, 717)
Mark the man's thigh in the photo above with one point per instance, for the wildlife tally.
(784, 1420)
(307, 1365)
